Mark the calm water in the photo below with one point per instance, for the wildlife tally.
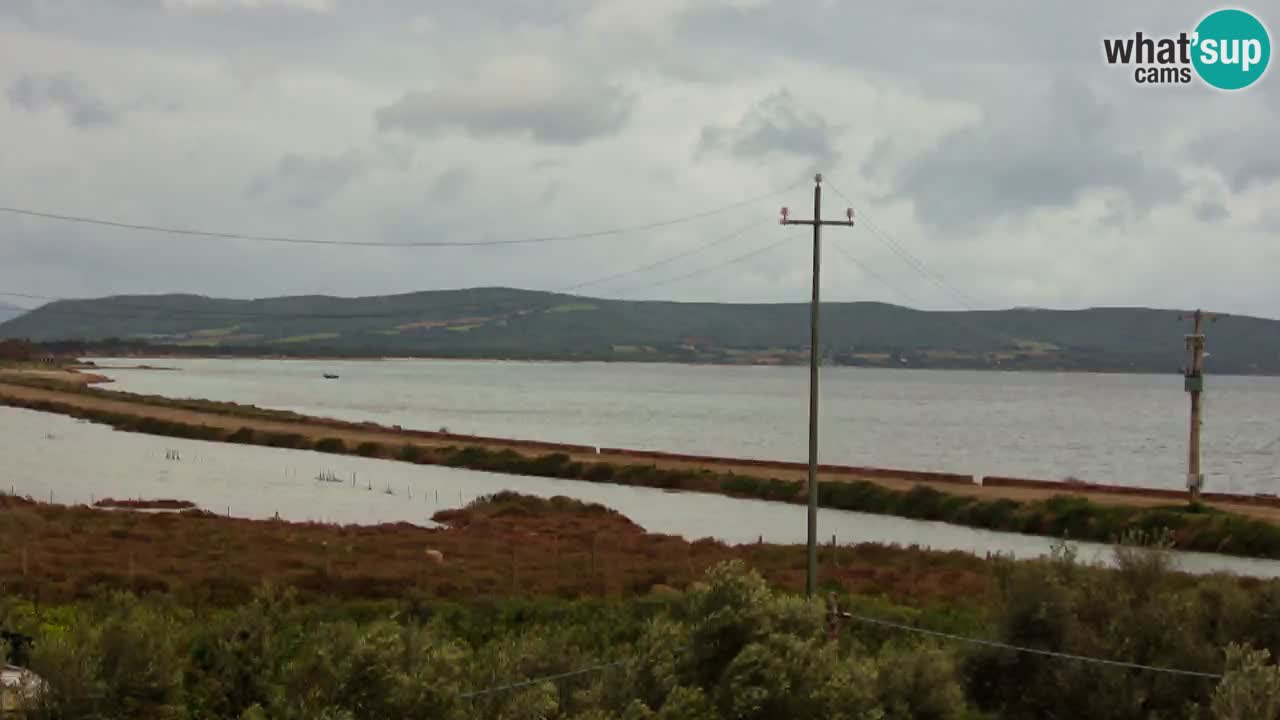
(76, 462)
(1122, 429)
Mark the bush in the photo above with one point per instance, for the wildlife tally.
(331, 445)
(369, 449)
(284, 440)
(243, 435)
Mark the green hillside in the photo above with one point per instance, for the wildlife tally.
(509, 323)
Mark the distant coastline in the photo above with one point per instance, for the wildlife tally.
(1041, 369)
(512, 325)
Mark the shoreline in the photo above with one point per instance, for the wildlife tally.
(73, 376)
(641, 361)
(1233, 525)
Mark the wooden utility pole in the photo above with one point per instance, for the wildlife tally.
(1194, 385)
(811, 580)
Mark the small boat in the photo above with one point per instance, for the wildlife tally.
(328, 376)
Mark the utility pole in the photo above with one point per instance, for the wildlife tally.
(811, 578)
(1194, 385)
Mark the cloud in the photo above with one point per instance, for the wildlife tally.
(61, 91)
(316, 6)
(1041, 151)
(514, 96)
(775, 124)
(308, 181)
(1210, 212)
(450, 183)
(1246, 156)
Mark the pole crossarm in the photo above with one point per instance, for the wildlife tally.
(846, 223)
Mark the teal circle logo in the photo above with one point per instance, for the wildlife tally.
(1232, 49)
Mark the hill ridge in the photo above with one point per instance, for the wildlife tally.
(515, 323)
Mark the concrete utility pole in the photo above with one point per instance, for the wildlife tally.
(811, 580)
(1194, 384)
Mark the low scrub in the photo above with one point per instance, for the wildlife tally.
(331, 445)
(731, 645)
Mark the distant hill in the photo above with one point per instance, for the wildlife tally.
(522, 324)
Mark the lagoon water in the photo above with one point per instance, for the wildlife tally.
(69, 461)
(1121, 429)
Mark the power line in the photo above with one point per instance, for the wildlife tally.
(373, 243)
(664, 261)
(707, 269)
(113, 310)
(1106, 662)
(908, 257)
(535, 681)
(110, 311)
(919, 266)
(875, 275)
(1029, 650)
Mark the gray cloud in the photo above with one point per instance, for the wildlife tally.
(308, 181)
(61, 91)
(1210, 212)
(514, 97)
(775, 124)
(1041, 152)
(1245, 156)
(450, 183)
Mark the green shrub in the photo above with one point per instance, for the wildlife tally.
(369, 449)
(599, 472)
(284, 440)
(331, 445)
(243, 435)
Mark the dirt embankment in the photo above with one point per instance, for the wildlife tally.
(224, 420)
(70, 375)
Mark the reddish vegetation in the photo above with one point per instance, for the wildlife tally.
(162, 504)
(517, 545)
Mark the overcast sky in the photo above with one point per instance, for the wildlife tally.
(988, 139)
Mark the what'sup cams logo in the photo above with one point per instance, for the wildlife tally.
(1228, 50)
